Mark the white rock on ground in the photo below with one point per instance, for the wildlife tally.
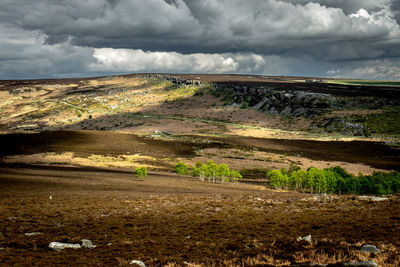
(140, 263)
(361, 264)
(369, 248)
(59, 246)
(307, 238)
(86, 243)
(33, 233)
(371, 198)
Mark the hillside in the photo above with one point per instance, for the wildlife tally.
(71, 149)
(284, 107)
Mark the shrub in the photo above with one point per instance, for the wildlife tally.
(335, 180)
(316, 180)
(278, 178)
(235, 175)
(199, 171)
(215, 173)
(244, 105)
(223, 172)
(211, 170)
(297, 179)
(141, 172)
(181, 168)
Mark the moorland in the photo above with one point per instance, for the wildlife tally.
(70, 148)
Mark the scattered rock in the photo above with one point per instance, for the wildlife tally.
(351, 264)
(86, 243)
(362, 264)
(33, 233)
(286, 112)
(371, 198)
(188, 264)
(58, 246)
(139, 263)
(310, 264)
(369, 249)
(305, 238)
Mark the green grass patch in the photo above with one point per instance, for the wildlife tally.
(361, 82)
(387, 123)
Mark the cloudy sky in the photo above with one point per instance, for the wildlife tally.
(75, 38)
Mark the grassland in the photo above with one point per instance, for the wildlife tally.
(70, 148)
(364, 82)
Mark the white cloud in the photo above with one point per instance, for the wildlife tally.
(372, 70)
(291, 37)
(24, 54)
(137, 60)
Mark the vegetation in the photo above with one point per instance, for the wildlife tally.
(364, 82)
(334, 180)
(211, 171)
(181, 168)
(141, 172)
(386, 122)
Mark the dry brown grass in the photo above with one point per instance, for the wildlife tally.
(151, 221)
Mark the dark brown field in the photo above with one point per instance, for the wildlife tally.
(169, 220)
(78, 184)
(85, 143)
(166, 220)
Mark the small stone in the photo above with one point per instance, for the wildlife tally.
(86, 243)
(369, 249)
(305, 238)
(370, 198)
(361, 264)
(139, 263)
(58, 246)
(33, 233)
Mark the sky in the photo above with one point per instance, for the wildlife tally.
(319, 38)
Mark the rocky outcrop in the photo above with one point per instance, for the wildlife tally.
(343, 126)
(174, 79)
(285, 103)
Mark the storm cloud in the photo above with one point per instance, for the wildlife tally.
(88, 37)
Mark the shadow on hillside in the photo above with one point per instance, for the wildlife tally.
(377, 155)
(374, 154)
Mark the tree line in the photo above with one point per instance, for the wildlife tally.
(334, 180)
(209, 171)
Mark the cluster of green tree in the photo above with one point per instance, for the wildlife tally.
(334, 180)
(141, 172)
(210, 171)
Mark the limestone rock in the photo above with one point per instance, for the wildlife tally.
(369, 249)
(139, 263)
(86, 243)
(361, 264)
(33, 233)
(371, 198)
(307, 238)
(60, 246)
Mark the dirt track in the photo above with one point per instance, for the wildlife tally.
(166, 219)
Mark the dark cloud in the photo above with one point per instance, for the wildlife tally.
(267, 27)
(327, 34)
